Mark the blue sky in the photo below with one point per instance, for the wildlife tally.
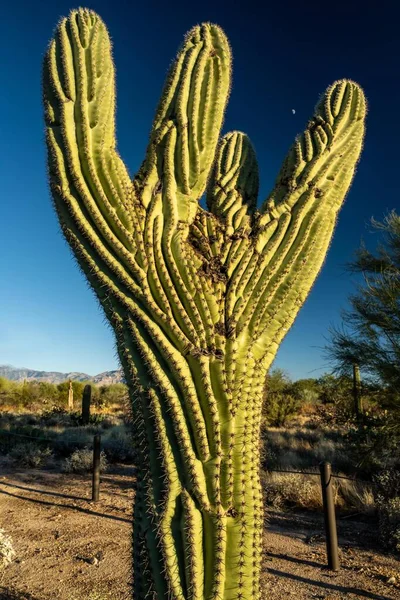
(285, 55)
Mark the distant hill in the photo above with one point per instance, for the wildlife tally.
(19, 374)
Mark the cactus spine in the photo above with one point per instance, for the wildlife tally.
(86, 399)
(199, 299)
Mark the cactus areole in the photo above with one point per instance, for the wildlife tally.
(199, 299)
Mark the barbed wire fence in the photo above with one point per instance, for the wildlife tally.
(70, 442)
(325, 474)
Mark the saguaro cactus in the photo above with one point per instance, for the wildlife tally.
(70, 396)
(86, 400)
(199, 299)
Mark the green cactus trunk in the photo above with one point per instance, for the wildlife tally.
(199, 299)
(86, 400)
(198, 520)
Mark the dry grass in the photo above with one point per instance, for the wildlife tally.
(302, 449)
(296, 448)
(304, 491)
(68, 435)
(287, 489)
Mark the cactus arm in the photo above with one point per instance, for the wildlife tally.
(80, 139)
(234, 182)
(312, 185)
(79, 102)
(188, 120)
(177, 166)
(296, 223)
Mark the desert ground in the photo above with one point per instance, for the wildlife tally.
(70, 548)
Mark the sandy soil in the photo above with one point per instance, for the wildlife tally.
(69, 548)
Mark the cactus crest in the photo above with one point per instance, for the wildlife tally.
(199, 299)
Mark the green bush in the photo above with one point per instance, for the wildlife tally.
(81, 461)
(387, 490)
(8, 390)
(118, 445)
(389, 523)
(30, 455)
(115, 393)
(280, 402)
(56, 416)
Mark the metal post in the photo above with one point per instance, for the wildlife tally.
(96, 467)
(329, 516)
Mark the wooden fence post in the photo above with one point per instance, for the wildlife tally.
(329, 516)
(96, 467)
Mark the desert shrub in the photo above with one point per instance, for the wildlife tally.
(30, 455)
(5, 421)
(115, 393)
(119, 446)
(27, 394)
(110, 421)
(289, 490)
(389, 523)
(75, 438)
(81, 461)
(6, 386)
(280, 402)
(10, 392)
(96, 419)
(306, 390)
(374, 444)
(335, 390)
(60, 417)
(7, 552)
(304, 447)
(21, 426)
(354, 495)
(387, 490)
(56, 416)
(75, 418)
(284, 490)
(32, 394)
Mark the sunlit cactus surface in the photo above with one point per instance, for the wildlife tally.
(199, 299)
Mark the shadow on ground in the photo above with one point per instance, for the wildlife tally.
(309, 528)
(7, 594)
(73, 507)
(357, 592)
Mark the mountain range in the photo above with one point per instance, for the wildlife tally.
(19, 374)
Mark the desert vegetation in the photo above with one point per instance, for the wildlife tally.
(304, 422)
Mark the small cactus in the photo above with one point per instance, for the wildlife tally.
(86, 399)
(70, 396)
(199, 299)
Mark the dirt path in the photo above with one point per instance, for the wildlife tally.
(71, 549)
